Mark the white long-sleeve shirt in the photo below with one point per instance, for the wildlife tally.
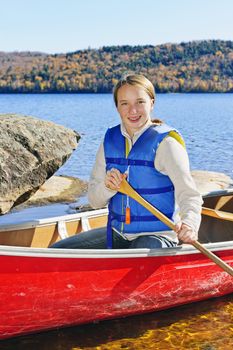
(171, 159)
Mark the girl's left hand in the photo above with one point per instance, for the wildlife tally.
(185, 233)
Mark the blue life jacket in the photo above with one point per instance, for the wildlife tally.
(153, 186)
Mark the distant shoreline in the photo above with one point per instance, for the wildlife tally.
(203, 66)
(104, 92)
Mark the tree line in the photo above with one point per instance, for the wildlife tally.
(198, 66)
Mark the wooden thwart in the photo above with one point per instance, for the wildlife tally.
(125, 188)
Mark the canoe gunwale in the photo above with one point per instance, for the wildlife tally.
(224, 192)
(184, 249)
(53, 220)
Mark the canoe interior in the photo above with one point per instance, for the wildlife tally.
(213, 229)
(45, 234)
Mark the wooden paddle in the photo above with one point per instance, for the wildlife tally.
(125, 188)
(223, 215)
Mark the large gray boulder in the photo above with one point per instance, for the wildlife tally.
(31, 150)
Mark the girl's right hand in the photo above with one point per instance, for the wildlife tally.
(113, 179)
(185, 233)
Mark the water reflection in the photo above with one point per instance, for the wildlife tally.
(205, 325)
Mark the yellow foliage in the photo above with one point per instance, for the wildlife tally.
(28, 85)
(38, 78)
(60, 84)
(181, 81)
(218, 53)
(114, 81)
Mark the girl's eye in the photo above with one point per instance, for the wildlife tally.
(123, 103)
(141, 101)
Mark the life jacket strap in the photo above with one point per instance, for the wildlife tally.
(155, 190)
(138, 218)
(127, 162)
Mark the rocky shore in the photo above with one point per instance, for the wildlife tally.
(67, 189)
(207, 181)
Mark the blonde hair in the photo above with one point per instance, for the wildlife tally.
(135, 80)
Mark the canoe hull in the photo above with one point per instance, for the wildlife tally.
(49, 291)
(43, 288)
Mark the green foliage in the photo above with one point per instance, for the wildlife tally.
(198, 66)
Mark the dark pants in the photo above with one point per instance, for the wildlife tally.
(97, 239)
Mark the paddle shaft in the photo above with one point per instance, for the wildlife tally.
(125, 188)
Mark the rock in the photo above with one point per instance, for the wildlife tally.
(207, 181)
(58, 189)
(84, 207)
(32, 150)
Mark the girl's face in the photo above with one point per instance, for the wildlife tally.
(134, 106)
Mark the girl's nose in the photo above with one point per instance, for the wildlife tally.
(132, 109)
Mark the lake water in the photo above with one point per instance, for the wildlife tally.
(206, 122)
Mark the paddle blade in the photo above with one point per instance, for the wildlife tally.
(222, 215)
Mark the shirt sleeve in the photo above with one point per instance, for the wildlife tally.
(98, 193)
(172, 160)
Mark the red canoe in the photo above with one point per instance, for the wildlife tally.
(42, 288)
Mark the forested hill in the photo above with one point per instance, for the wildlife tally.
(198, 66)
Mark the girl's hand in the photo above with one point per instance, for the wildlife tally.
(113, 179)
(185, 233)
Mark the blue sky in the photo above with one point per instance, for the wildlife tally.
(56, 26)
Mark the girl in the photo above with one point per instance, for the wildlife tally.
(152, 156)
